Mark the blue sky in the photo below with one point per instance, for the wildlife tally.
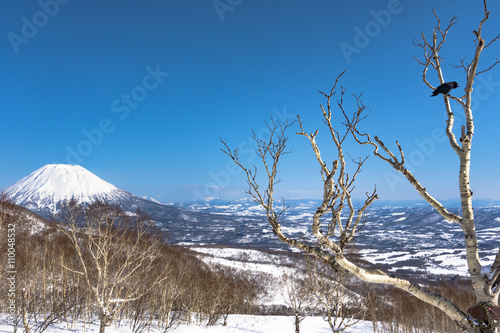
(139, 92)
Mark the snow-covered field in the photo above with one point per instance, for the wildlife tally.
(236, 324)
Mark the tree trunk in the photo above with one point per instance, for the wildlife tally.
(102, 327)
(297, 324)
(104, 321)
(24, 310)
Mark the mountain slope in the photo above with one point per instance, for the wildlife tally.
(22, 218)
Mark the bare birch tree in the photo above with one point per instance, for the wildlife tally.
(339, 306)
(115, 255)
(337, 211)
(298, 298)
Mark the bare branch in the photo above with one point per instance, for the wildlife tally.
(492, 41)
(450, 121)
(332, 91)
(312, 139)
(72, 270)
(495, 276)
(269, 151)
(489, 68)
(398, 165)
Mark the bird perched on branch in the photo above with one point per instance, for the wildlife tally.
(445, 88)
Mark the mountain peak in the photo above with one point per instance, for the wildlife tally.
(48, 186)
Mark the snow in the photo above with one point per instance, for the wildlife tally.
(54, 183)
(236, 324)
(299, 217)
(259, 263)
(151, 199)
(62, 181)
(252, 263)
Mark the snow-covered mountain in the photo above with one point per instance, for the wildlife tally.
(45, 189)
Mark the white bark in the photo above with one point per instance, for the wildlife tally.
(482, 285)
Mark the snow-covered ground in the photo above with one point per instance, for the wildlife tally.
(250, 262)
(253, 263)
(236, 324)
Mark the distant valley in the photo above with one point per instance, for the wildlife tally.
(398, 238)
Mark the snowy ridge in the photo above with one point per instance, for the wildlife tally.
(47, 187)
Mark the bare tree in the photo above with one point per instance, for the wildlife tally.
(339, 306)
(115, 255)
(31, 263)
(343, 220)
(298, 297)
(167, 295)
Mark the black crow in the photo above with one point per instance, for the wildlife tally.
(445, 88)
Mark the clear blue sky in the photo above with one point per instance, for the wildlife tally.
(139, 92)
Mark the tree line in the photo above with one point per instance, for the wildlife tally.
(97, 263)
